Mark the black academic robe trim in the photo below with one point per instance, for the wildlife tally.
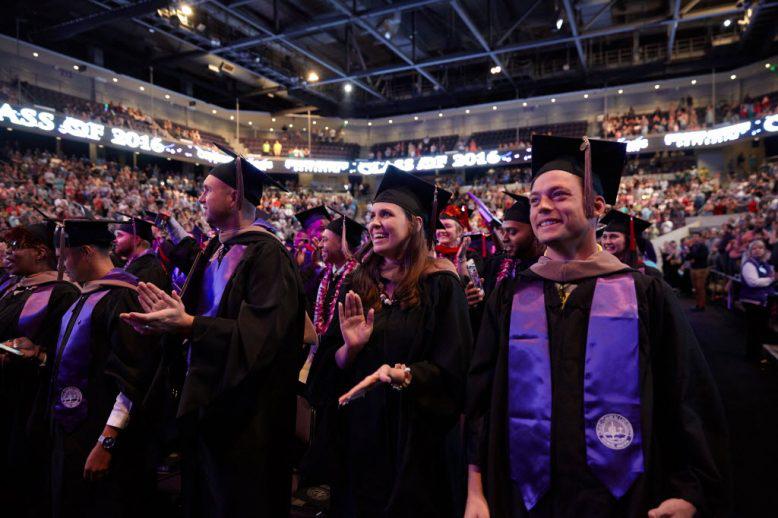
(684, 430)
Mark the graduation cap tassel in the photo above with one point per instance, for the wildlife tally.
(239, 183)
(61, 259)
(633, 245)
(433, 219)
(344, 241)
(586, 147)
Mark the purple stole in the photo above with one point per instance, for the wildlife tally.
(612, 417)
(74, 354)
(215, 279)
(34, 309)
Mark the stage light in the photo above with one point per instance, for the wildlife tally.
(767, 65)
(142, 88)
(440, 114)
(347, 88)
(76, 67)
(313, 77)
(621, 91)
(213, 111)
(733, 76)
(167, 96)
(273, 119)
(272, 130)
(727, 22)
(313, 122)
(586, 96)
(553, 99)
(186, 10)
(656, 87)
(694, 81)
(494, 108)
(35, 55)
(559, 22)
(345, 123)
(115, 80)
(495, 70)
(369, 123)
(232, 117)
(415, 117)
(291, 125)
(467, 111)
(390, 121)
(524, 104)
(251, 123)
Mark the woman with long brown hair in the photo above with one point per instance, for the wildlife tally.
(406, 336)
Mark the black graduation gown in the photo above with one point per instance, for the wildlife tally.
(122, 361)
(393, 449)
(238, 401)
(683, 427)
(148, 268)
(24, 456)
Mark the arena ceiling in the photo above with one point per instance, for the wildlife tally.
(369, 58)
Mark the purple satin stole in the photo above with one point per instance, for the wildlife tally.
(72, 372)
(34, 310)
(611, 389)
(71, 376)
(215, 279)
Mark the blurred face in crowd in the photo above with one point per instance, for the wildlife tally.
(315, 229)
(757, 249)
(390, 229)
(3, 259)
(516, 237)
(557, 212)
(330, 246)
(23, 259)
(78, 262)
(219, 201)
(450, 233)
(301, 240)
(125, 243)
(614, 242)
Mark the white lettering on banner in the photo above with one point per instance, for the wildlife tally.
(427, 163)
(771, 123)
(79, 128)
(209, 156)
(708, 137)
(27, 117)
(315, 166)
(368, 168)
(263, 165)
(635, 145)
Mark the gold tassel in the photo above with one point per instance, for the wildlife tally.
(586, 147)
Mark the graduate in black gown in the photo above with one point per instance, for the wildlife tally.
(338, 243)
(30, 314)
(588, 395)
(314, 221)
(133, 244)
(621, 236)
(406, 336)
(242, 316)
(521, 249)
(101, 462)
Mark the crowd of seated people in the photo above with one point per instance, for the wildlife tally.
(414, 148)
(327, 143)
(686, 116)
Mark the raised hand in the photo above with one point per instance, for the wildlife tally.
(163, 313)
(355, 327)
(461, 259)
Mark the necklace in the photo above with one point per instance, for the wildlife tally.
(386, 300)
(507, 270)
(319, 323)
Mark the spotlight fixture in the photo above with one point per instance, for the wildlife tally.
(35, 54)
(313, 77)
(440, 114)
(348, 88)
(733, 76)
(656, 87)
(621, 91)
(494, 108)
(467, 111)
(390, 121)
(559, 23)
(115, 80)
(586, 96)
(369, 123)
(415, 117)
(694, 81)
(142, 88)
(524, 104)
(553, 99)
(495, 70)
(727, 22)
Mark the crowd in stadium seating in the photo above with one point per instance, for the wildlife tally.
(684, 116)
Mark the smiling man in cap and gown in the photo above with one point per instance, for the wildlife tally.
(588, 394)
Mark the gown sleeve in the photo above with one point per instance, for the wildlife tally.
(224, 351)
(479, 382)
(437, 385)
(62, 297)
(690, 426)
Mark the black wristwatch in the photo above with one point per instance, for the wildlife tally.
(108, 443)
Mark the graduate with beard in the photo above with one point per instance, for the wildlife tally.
(133, 244)
(621, 236)
(101, 462)
(339, 241)
(521, 248)
(588, 395)
(406, 335)
(242, 318)
(314, 222)
(30, 315)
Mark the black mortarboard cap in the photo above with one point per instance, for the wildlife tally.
(354, 230)
(138, 227)
(607, 161)
(519, 211)
(253, 179)
(309, 216)
(414, 195)
(618, 221)
(81, 232)
(43, 232)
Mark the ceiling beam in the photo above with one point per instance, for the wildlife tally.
(518, 22)
(539, 44)
(574, 29)
(368, 27)
(88, 22)
(460, 10)
(301, 50)
(673, 28)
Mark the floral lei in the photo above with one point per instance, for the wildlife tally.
(506, 270)
(318, 312)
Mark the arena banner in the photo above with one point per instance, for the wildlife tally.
(65, 126)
